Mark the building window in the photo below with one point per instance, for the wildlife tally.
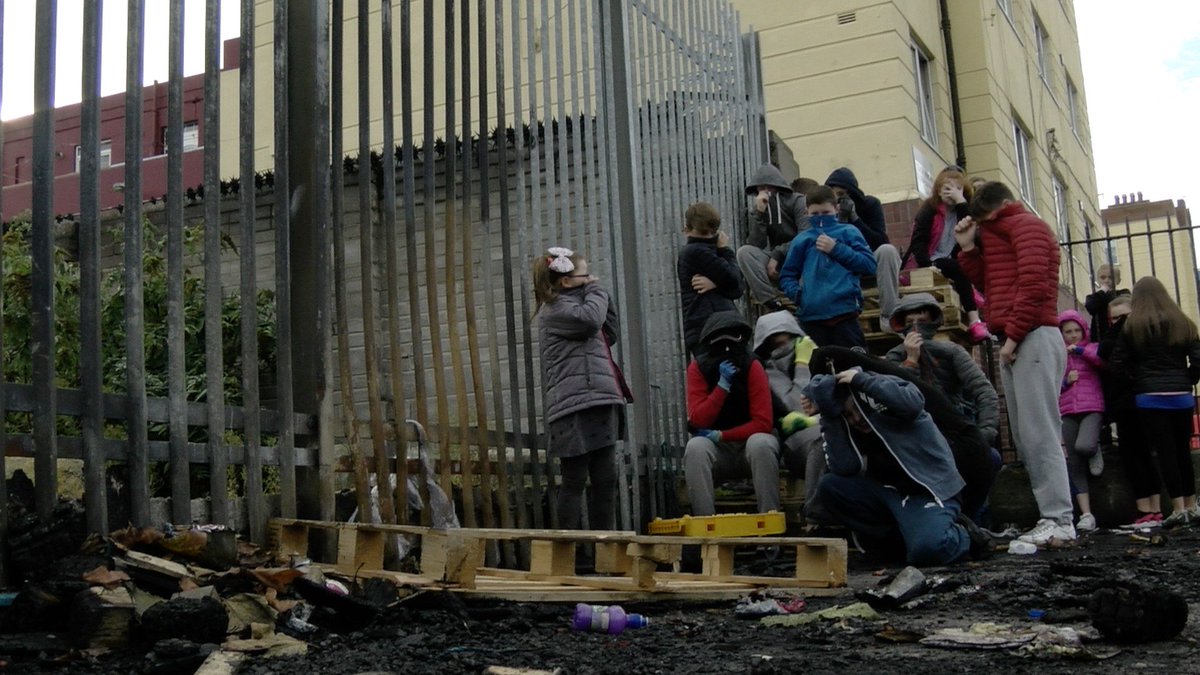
(1006, 7)
(1073, 105)
(191, 136)
(1041, 39)
(924, 94)
(1024, 165)
(105, 155)
(1061, 216)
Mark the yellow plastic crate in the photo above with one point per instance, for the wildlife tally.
(724, 525)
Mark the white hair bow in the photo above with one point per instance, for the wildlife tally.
(560, 260)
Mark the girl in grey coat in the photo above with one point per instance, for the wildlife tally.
(584, 392)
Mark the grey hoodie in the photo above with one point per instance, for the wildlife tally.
(785, 217)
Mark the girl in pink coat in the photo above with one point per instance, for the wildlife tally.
(1081, 403)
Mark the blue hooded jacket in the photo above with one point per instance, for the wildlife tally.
(895, 409)
(831, 286)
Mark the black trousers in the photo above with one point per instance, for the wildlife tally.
(1169, 433)
(601, 466)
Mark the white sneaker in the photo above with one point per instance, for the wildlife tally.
(1096, 463)
(1087, 523)
(1047, 531)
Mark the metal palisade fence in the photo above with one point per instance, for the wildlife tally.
(372, 264)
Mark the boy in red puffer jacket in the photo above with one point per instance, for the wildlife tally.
(1082, 406)
(1012, 256)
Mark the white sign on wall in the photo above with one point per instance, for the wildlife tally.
(924, 174)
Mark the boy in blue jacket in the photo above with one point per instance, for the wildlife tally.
(825, 262)
(892, 476)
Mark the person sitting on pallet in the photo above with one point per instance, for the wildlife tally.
(892, 477)
(729, 416)
(826, 261)
(784, 350)
(778, 215)
(943, 363)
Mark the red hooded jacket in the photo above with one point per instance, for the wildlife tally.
(1015, 263)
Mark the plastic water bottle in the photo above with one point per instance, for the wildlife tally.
(601, 619)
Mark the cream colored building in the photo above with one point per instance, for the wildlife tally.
(868, 85)
(1153, 239)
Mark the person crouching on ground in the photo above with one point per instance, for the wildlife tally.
(892, 478)
(784, 350)
(729, 415)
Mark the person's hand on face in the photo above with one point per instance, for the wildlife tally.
(773, 269)
(952, 193)
(702, 284)
(760, 201)
(912, 345)
(722, 239)
(579, 276)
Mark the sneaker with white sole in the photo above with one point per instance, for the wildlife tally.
(1180, 518)
(1096, 463)
(1047, 531)
(1087, 523)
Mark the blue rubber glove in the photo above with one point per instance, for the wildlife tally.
(711, 434)
(727, 370)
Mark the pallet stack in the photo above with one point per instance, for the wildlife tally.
(628, 566)
(922, 280)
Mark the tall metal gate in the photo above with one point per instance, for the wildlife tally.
(365, 285)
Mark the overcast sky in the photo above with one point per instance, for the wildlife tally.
(1141, 79)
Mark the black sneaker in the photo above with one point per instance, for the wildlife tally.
(982, 545)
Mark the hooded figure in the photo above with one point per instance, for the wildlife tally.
(785, 351)
(946, 365)
(729, 416)
(1086, 394)
(867, 214)
(973, 457)
(771, 232)
(892, 476)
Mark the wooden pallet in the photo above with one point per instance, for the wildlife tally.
(626, 562)
(952, 320)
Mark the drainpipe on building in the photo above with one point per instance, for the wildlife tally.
(960, 153)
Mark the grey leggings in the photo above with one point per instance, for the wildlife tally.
(601, 466)
(1081, 435)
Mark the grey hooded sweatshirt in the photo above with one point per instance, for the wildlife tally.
(785, 217)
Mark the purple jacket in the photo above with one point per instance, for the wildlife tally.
(1085, 395)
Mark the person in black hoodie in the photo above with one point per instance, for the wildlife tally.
(1136, 456)
(1107, 278)
(778, 215)
(708, 275)
(1160, 347)
(866, 213)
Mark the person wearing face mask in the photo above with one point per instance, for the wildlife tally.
(784, 350)
(729, 417)
(826, 261)
(943, 363)
(893, 480)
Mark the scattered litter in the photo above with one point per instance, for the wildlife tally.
(768, 603)
(979, 636)
(1149, 540)
(896, 636)
(908, 584)
(102, 576)
(1037, 614)
(858, 610)
(1039, 640)
(272, 646)
(507, 670)
(1134, 613)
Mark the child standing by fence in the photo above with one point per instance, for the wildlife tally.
(709, 279)
(584, 391)
(1160, 346)
(1081, 403)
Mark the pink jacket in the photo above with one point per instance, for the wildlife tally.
(1085, 394)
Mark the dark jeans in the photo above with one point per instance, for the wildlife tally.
(1169, 432)
(883, 516)
(950, 269)
(845, 333)
(601, 466)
